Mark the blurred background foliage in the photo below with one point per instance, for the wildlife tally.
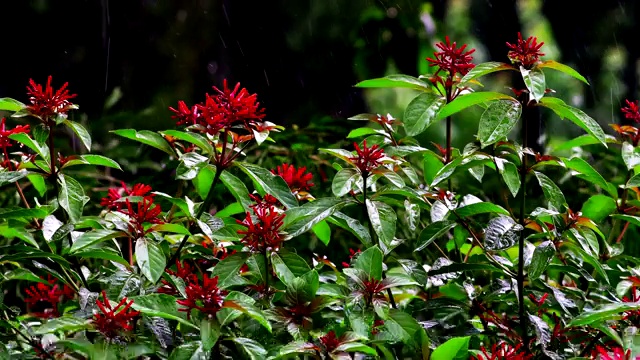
(128, 61)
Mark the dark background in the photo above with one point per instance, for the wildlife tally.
(302, 57)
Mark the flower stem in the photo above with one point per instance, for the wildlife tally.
(206, 205)
(520, 280)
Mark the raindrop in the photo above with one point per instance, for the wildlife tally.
(226, 15)
(392, 12)
(240, 47)
(212, 67)
(266, 77)
(221, 39)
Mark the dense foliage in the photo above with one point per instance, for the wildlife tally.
(461, 253)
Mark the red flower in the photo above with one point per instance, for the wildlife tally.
(264, 234)
(115, 194)
(633, 316)
(185, 115)
(184, 271)
(147, 212)
(296, 179)
(5, 142)
(631, 111)
(330, 341)
(48, 103)
(111, 321)
(375, 329)
(352, 254)
(617, 354)
(525, 53)
(368, 158)
(266, 202)
(207, 298)
(452, 59)
(44, 299)
(503, 351)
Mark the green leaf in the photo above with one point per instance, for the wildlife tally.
(551, 64)
(484, 69)
(193, 138)
(395, 81)
(103, 254)
(21, 213)
(91, 159)
(81, 132)
(281, 269)
(602, 313)
(171, 228)
(421, 112)
(150, 259)
(228, 270)
(383, 220)
(480, 208)
(24, 139)
(248, 309)
(8, 177)
(630, 155)
(189, 351)
(300, 219)
(65, 323)
(160, 305)
(511, 176)
(635, 220)
(323, 231)
(542, 256)
(598, 207)
(94, 237)
(498, 120)
(296, 264)
(9, 104)
(402, 326)
(190, 165)
(551, 191)
(268, 183)
(590, 174)
(432, 232)
(535, 82)
(344, 181)
(209, 333)
(146, 137)
(577, 116)
(582, 255)
(352, 225)
(204, 180)
(501, 233)
(71, 197)
(38, 183)
(363, 131)
(464, 101)
(250, 347)
(370, 261)
(452, 349)
(580, 141)
(432, 165)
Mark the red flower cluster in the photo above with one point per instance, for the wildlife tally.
(146, 211)
(330, 341)
(352, 254)
(43, 299)
(617, 354)
(296, 179)
(631, 111)
(263, 234)
(525, 52)
(47, 103)
(503, 351)
(5, 142)
(632, 316)
(112, 321)
(452, 59)
(368, 158)
(207, 298)
(222, 111)
(184, 271)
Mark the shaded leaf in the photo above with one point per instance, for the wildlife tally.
(421, 112)
(501, 233)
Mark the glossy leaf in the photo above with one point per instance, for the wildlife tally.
(551, 191)
(542, 256)
(501, 233)
(228, 270)
(464, 101)
(323, 231)
(480, 208)
(498, 120)
(94, 237)
(71, 197)
(421, 113)
(383, 220)
(8, 177)
(453, 349)
(193, 138)
(209, 333)
(590, 174)
(535, 82)
(484, 69)
(551, 64)
(395, 81)
(301, 219)
(80, 132)
(150, 259)
(630, 155)
(9, 104)
(370, 261)
(268, 183)
(90, 159)
(160, 305)
(602, 313)
(432, 232)
(344, 181)
(26, 140)
(598, 207)
(352, 225)
(250, 347)
(146, 137)
(575, 115)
